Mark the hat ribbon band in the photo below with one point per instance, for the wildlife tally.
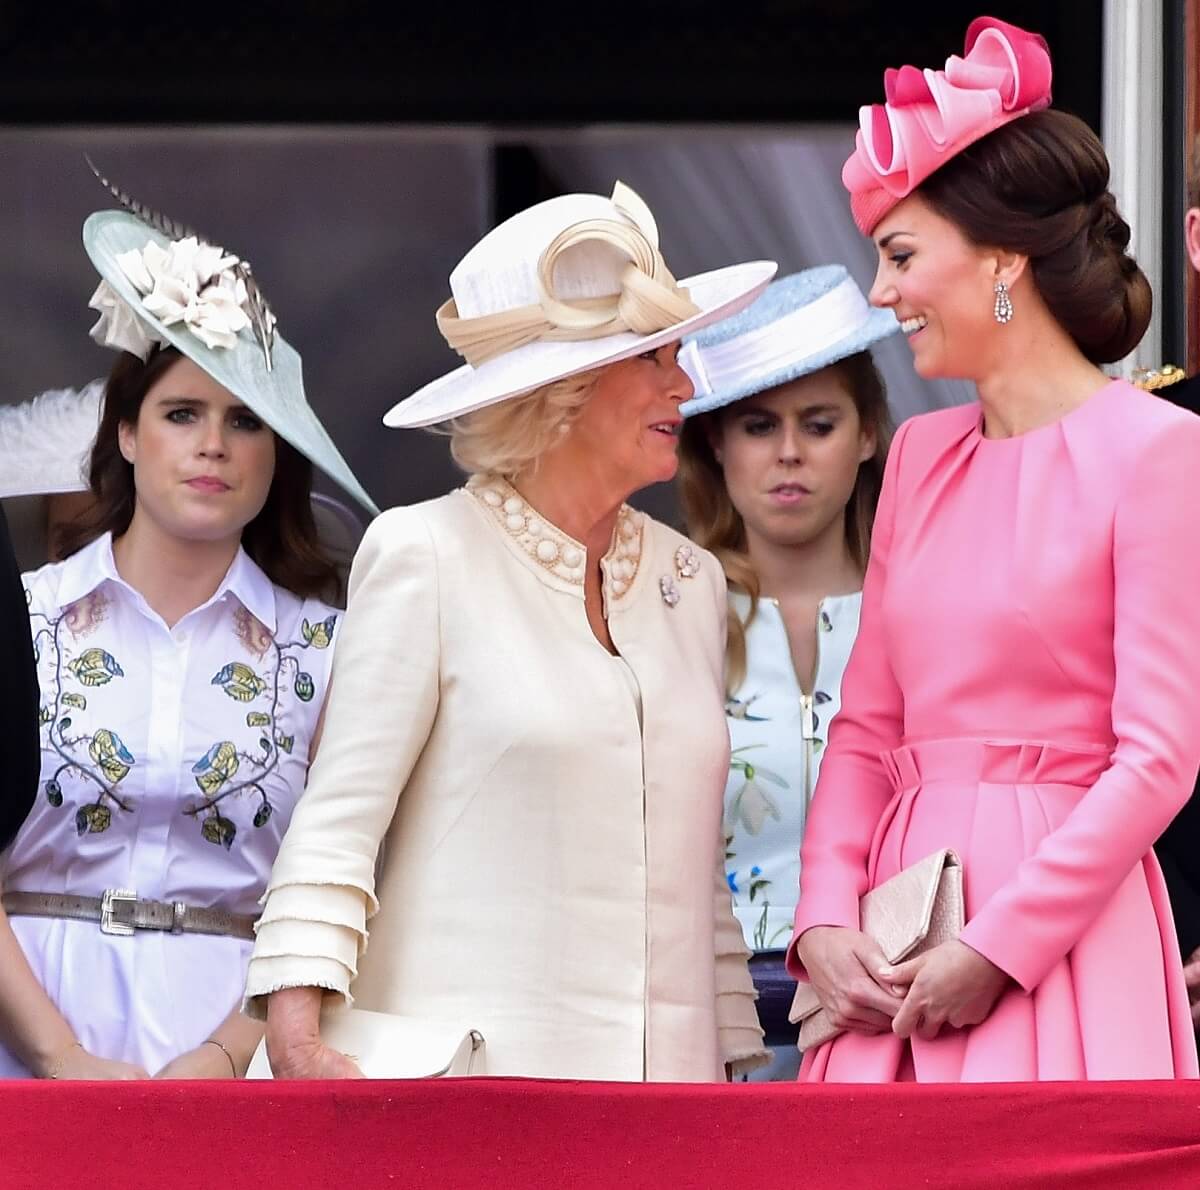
(650, 300)
(780, 344)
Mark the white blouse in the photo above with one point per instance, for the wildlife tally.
(778, 734)
(172, 759)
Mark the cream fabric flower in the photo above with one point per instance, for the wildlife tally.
(118, 327)
(188, 282)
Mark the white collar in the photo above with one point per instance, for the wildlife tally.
(93, 565)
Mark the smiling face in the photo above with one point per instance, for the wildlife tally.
(202, 461)
(630, 422)
(791, 456)
(941, 288)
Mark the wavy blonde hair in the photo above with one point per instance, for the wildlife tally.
(713, 522)
(509, 437)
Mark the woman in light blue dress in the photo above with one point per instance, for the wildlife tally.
(782, 459)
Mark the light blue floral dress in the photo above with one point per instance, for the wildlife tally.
(778, 734)
(172, 759)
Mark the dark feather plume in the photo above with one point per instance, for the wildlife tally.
(262, 321)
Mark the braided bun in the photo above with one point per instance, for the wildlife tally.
(1039, 186)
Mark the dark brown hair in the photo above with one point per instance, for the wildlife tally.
(282, 538)
(1039, 187)
(713, 522)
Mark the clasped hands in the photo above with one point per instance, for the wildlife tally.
(863, 993)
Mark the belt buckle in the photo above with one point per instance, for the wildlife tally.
(112, 921)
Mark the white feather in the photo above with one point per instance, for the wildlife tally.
(45, 442)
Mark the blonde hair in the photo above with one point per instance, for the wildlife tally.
(509, 437)
(713, 522)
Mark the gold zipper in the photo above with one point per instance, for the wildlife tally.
(806, 733)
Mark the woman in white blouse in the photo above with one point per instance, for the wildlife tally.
(526, 705)
(183, 654)
(781, 464)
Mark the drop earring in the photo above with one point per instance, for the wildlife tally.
(1003, 309)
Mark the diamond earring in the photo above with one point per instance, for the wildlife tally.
(1003, 309)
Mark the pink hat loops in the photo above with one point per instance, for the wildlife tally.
(930, 115)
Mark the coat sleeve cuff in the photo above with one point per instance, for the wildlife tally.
(267, 975)
(826, 909)
(1007, 950)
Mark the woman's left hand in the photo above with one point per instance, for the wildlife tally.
(205, 1061)
(948, 985)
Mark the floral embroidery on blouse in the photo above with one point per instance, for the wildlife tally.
(749, 809)
(85, 615)
(110, 760)
(777, 736)
(215, 771)
(253, 634)
(93, 765)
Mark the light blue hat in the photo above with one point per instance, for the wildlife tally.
(209, 324)
(801, 324)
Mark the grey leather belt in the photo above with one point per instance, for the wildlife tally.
(119, 911)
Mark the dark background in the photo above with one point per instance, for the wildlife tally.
(354, 152)
(758, 61)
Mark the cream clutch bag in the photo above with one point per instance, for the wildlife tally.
(388, 1046)
(914, 911)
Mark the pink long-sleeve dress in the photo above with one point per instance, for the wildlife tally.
(1025, 688)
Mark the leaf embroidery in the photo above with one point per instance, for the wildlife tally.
(214, 768)
(257, 719)
(219, 830)
(95, 667)
(111, 755)
(92, 819)
(318, 635)
(75, 700)
(239, 681)
(304, 687)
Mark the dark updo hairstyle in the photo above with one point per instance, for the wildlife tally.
(1039, 187)
(282, 538)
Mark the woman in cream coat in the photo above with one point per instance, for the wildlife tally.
(527, 699)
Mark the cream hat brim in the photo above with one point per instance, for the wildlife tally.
(718, 294)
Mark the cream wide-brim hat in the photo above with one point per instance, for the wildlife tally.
(501, 274)
(275, 394)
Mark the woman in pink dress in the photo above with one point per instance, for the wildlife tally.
(1023, 685)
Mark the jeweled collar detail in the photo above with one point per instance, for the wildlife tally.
(549, 547)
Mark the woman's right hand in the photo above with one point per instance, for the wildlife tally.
(850, 974)
(294, 1045)
(76, 1063)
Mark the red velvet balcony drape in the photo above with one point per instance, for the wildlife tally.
(589, 1136)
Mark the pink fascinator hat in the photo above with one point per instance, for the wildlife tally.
(930, 115)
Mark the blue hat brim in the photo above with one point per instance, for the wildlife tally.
(277, 396)
(880, 325)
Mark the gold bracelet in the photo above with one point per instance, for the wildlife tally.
(232, 1064)
(61, 1060)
